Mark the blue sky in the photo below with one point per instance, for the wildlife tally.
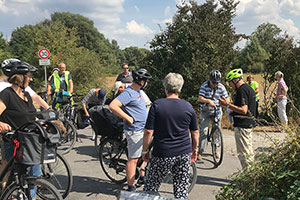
(135, 22)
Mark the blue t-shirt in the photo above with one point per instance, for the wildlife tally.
(134, 106)
(171, 119)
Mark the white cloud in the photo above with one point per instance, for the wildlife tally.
(252, 13)
(168, 11)
(137, 29)
(137, 8)
(290, 6)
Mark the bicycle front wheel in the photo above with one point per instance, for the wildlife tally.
(68, 139)
(59, 174)
(217, 146)
(45, 190)
(113, 159)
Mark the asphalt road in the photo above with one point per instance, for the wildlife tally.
(89, 181)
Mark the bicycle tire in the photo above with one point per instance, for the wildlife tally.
(68, 140)
(97, 142)
(113, 159)
(59, 174)
(217, 145)
(45, 190)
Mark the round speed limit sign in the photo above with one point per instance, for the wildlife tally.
(44, 53)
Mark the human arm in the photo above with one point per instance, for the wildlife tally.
(195, 143)
(40, 101)
(115, 107)
(146, 143)
(3, 126)
(71, 86)
(204, 100)
(224, 102)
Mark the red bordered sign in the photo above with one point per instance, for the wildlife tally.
(44, 53)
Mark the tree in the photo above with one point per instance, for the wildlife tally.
(200, 38)
(62, 43)
(90, 37)
(135, 56)
(252, 57)
(4, 53)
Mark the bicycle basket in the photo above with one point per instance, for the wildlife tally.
(105, 122)
(37, 144)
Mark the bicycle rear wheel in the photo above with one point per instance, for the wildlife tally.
(68, 139)
(113, 159)
(45, 190)
(217, 146)
(59, 174)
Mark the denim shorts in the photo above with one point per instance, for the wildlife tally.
(134, 143)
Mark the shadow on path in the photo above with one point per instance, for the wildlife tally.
(208, 180)
(93, 186)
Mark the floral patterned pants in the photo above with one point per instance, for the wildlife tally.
(179, 166)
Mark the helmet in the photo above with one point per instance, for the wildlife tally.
(236, 73)
(14, 66)
(101, 94)
(55, 69)
(140, 74)
(215, 76)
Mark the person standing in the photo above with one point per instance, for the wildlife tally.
(255, 86)
(61, 80)
(16, 107)
(170, 121)
(209, 93)
(243, 111)
(125, 76)
(134, 113)
(281, 97)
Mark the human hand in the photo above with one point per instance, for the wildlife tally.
(130, 121)
(48, 93)
(223, 102)
(4, 127)
(193, 156)
(146, 157)
(212, 104)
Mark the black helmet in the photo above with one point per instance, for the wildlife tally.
(140, 74)
(215, 76)
(14, 66)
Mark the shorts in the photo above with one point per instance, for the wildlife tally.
(134, 143)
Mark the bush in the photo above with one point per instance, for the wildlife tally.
(275, 174)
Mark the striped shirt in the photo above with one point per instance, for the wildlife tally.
(92, 99)
(212, 93)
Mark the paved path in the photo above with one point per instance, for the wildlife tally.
(91, 183)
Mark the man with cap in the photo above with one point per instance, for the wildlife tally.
(209, 93)
(94, 97)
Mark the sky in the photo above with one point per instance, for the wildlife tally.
(135, 22)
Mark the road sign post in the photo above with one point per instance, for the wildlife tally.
(44, 54)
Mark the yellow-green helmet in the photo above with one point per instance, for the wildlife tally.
(236, 73)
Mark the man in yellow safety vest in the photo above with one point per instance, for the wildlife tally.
(61, 81)
(255, 86)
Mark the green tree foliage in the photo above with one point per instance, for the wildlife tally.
(252, 57)
(266, 33)
(135, 56)
(62, 43)
(90, 37)
(4, 52)
(200, 38)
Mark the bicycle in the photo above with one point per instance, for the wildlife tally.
(215, 137)
(20, 183)
(66, 109)
(113, 159)
(59, 174)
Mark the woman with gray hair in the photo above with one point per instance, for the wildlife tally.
(281, 97)
(170, 121)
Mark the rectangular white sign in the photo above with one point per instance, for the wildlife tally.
(44, 62)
